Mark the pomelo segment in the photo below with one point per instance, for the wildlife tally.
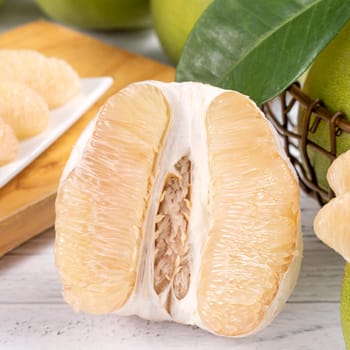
(331, 223)
(8, 142)
(23, 109)
(254, 211)
(102, 203)
(52, 78)
(338, 174)
(179, 204)
(331, 226)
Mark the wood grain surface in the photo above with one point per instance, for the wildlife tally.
(27, 202)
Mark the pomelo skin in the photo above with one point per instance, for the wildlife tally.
(173, 22)
(345, 306)
(329, 80)
(99, 14)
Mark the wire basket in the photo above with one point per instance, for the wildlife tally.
(297, 140)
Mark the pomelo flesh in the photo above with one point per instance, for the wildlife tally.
(178, 203)
(331, 225)
(8, 142)
(52, 78)
(23, 109)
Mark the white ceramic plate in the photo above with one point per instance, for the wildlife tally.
(60, 120)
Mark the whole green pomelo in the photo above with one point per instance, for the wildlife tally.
(99, 14)
(345, 306)
(173, 21)
(329, 80)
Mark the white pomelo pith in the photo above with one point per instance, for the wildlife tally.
(179, 204)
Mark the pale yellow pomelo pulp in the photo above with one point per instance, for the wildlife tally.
(23, 109)
(52, 78)
(8, 142)
(179, 204)
(331, 225)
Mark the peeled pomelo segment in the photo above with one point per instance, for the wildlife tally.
(254, 218)
(23, 109)
(102, 203)
(338, 175)
(331, 224)
(52, 78)
(8, 143)
(62, 83)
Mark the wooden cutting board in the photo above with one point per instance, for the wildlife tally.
(27, 202)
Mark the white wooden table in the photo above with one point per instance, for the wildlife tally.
(34, 316)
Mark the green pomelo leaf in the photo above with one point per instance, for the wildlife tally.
(259, 47)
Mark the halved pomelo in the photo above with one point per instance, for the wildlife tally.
(178, 203)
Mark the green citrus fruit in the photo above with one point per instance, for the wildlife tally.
(173, 21)
(99, 14)
(329, 80)
(345, 306)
